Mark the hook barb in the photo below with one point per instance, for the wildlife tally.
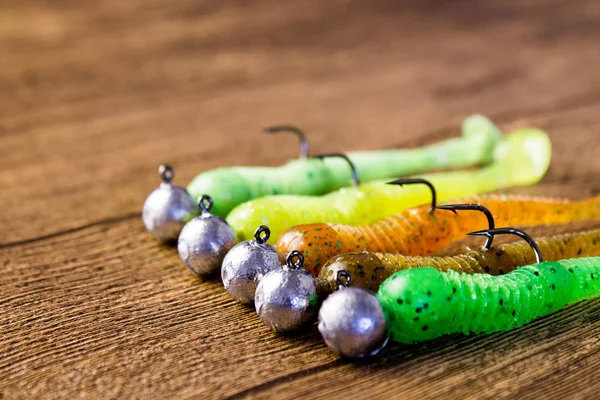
(474, 207)
(413, 181)
(512, 231)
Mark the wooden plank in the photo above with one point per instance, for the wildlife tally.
(109, 303)
(96, 95)
(113, 124)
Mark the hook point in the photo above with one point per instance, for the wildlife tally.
(412, 181)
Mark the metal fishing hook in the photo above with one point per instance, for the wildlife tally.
(475, 207)
(355, 179)
(296, 131)
(512, 231)
(412, 181)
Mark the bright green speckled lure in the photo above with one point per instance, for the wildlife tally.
(423, 303)
(231, 186)
(521, 158)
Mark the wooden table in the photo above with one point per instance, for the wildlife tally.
(96, 94)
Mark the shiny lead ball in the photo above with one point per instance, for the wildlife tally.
(286, 298)
(352, 321)
(205, 240)
(168, 208)
(246, 263)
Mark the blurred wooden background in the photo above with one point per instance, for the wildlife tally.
(94, 95)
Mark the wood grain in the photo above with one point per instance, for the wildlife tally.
(96, 94)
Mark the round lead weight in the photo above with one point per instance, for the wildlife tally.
(286, 298)
(168, 208)
(246, 263)
(205, 240)
(352, 321)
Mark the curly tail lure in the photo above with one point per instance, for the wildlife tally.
(421, 304)
(521, 159)
(232, 186)
(421, 231)
(424, 303)
(370, 270)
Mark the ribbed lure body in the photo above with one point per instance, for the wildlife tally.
(353, 205)
(522, 159)
(232, 186)
(419, 232)
(424, 303)
(370, 270)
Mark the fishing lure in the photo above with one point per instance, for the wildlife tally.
(424, 230)
(370, 270)
(232, 186)
(423, 303)
(521, 158)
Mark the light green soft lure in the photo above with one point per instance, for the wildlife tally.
(231, 186)
(522, 158)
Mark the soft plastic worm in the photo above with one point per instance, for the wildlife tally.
(370, 270)
(420, 232)
(232, 186)
(521, 158)
(423, 303)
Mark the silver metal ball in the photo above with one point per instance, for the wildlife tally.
(168, 208)
(204, 241)
(352, 323)
(286, 298)
(246, 263)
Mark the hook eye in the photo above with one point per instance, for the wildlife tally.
(262, 234)
(343, 278)
(205, 202)
(166, 173)
(298, 257)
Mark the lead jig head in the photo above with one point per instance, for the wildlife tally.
(168, 208)
(286, 298)
(246, 263)
(351, 320)
(205, 240)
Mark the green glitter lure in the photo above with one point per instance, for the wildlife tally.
(423, 303)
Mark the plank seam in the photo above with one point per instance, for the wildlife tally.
(106, 221)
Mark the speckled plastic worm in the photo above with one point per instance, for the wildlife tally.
(420, 232)
(232, 186)
(423, 303)
(521, 158)
(370, 270)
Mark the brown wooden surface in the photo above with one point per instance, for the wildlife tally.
(94, 95)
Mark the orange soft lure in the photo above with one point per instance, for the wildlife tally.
(419, 231)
